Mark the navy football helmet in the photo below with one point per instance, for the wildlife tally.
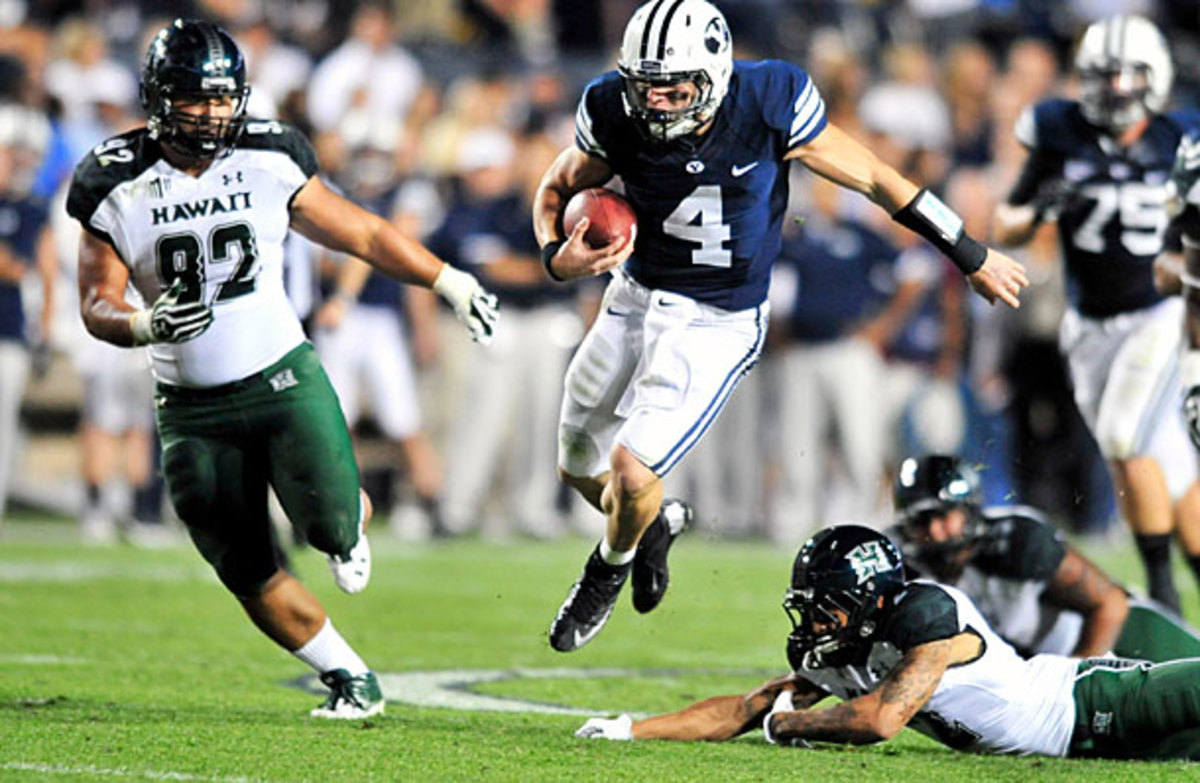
(191, 60)
(843, 579)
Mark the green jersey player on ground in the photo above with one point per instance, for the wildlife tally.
(911, 653)
(190, 212)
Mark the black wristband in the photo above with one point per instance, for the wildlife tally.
(927, 216)
(548, 253)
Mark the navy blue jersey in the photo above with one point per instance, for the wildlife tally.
(1111, 227)
(846, 274)
(21, 223)
(710, 208)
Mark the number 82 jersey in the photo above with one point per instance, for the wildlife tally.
(710, 208)
(221, 233)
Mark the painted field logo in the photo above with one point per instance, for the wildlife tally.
(456, 689)
(868, 559)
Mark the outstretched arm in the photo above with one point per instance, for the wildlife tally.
(713, 720)
(725, 717)
(839, 158)
(325, 217)
(882, 713)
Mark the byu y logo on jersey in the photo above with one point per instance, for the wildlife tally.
(868, 559)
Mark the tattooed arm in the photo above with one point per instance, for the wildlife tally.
(725, 717)
(1082, 587)
(882, 713)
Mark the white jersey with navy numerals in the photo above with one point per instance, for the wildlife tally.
(710, 208)
(220, 234)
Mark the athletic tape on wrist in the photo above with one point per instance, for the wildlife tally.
(928, 216)
(548, 254)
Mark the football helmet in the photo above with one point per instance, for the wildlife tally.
(843, 579)
(667, 43)
(932, 486)
(1125, 72)
(194, 61)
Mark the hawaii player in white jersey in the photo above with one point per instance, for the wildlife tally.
(911, 653)
(191, 212)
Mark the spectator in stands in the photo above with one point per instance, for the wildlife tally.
(836, 305)
(503, 431)
(26, 246)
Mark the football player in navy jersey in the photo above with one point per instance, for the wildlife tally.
(191, 212)
(1179, 270)
(1099, 166)
(702, 146)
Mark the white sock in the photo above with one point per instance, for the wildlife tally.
(612, 556)
(328, 650)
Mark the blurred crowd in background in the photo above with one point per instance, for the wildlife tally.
(443, 115)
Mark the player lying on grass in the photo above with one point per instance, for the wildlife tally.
(1035, 590)
(913, 653)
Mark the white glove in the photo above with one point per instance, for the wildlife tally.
(783, 703)
(618, 728)
(475, 307)
(168, 321)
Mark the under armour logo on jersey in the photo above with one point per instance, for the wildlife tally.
(229, 179)
(868, 559)
(284, 379)
(694, 166)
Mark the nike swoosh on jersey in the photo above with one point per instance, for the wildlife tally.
(617, 313)
(738, 171)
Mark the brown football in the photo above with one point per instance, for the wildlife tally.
(609, 216)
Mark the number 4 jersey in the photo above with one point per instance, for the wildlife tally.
(709, 208)
(221, 233)
(1111, 226)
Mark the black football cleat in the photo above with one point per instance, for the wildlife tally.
(650, 575)
(588, 605)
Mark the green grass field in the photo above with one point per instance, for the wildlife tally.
(132, 664)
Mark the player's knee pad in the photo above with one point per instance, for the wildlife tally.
(191, 480)
(578, 452)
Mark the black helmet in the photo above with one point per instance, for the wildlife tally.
(933, 486)
(849, 569)
(934, 483)
(193, 60)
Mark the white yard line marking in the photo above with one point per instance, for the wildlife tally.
(36, 660)
(454, 688)
(118, 772)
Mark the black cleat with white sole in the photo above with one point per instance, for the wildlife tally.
(650, 575)
(588, 605)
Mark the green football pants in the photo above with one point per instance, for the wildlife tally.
(1137, 710)
(223, 447)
